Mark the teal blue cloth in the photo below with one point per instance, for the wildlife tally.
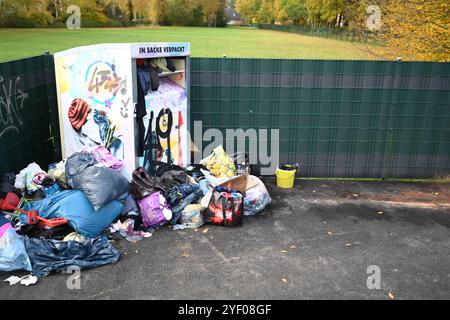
(77, 209)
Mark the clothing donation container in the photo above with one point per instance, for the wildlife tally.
(132, 98)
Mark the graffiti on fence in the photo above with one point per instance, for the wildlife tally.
(11, 102)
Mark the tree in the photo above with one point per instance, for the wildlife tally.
(417, 30)
(266, 13)
(410, 29)
(248, 9)
(331, 11)
(210, 8)
(294, 11)
(130, 10)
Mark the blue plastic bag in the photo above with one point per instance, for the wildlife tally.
(78, 210)
(51, 255)
(13, 255)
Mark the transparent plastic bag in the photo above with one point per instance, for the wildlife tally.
(13, 255)
(257, 198)
(220, 164)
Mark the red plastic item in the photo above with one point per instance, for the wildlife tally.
(10, 202)
(34, 218)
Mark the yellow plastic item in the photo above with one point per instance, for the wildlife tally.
(286, 178)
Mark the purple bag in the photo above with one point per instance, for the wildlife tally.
(154, 210)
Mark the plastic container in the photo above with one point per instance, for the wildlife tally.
(286, 176)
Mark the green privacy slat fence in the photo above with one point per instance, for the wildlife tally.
(336, 118)
(322, 32)
(354, 119)
(28, 116)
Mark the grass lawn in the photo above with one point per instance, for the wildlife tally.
(206, 42)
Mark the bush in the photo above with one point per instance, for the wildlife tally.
(32, 20)
(113, 24)
(41, 19)
(58, 24)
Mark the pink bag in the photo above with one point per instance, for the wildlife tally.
(104, 156)
(154, 210)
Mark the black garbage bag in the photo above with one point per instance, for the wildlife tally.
(47, 256)
(101, 185)
(171, 175)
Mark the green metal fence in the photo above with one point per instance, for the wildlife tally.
(28, 113)
(322, 32)
(354, 119)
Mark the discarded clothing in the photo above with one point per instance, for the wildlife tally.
(144, 79)
(57, 171)
(126, 230)
(195, 172)
(171, 175)
(193, 196)
(26, 280)
(30, 178)
(13, 255)
(180, 192)
(52, 189)
(4, 227)
(3, 220)
(205, 186)
(163, 65)
(51, 255)
(39, 231)
(7, 184)
(101, 185)
(77, 209)
(104, 156)
(130, 205)
(140, 112)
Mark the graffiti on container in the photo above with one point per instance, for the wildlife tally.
(11, 103)
(104, 85)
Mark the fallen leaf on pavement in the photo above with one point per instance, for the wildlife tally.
(391, 296)
(186, 255)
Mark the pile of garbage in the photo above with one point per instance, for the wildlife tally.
(71, 214)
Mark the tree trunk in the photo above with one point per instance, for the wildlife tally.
(56, 9)
(1, 10)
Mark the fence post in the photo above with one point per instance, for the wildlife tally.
(52, 107)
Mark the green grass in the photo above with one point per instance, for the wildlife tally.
(206, 42)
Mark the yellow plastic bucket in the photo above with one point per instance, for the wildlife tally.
(286, 178)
